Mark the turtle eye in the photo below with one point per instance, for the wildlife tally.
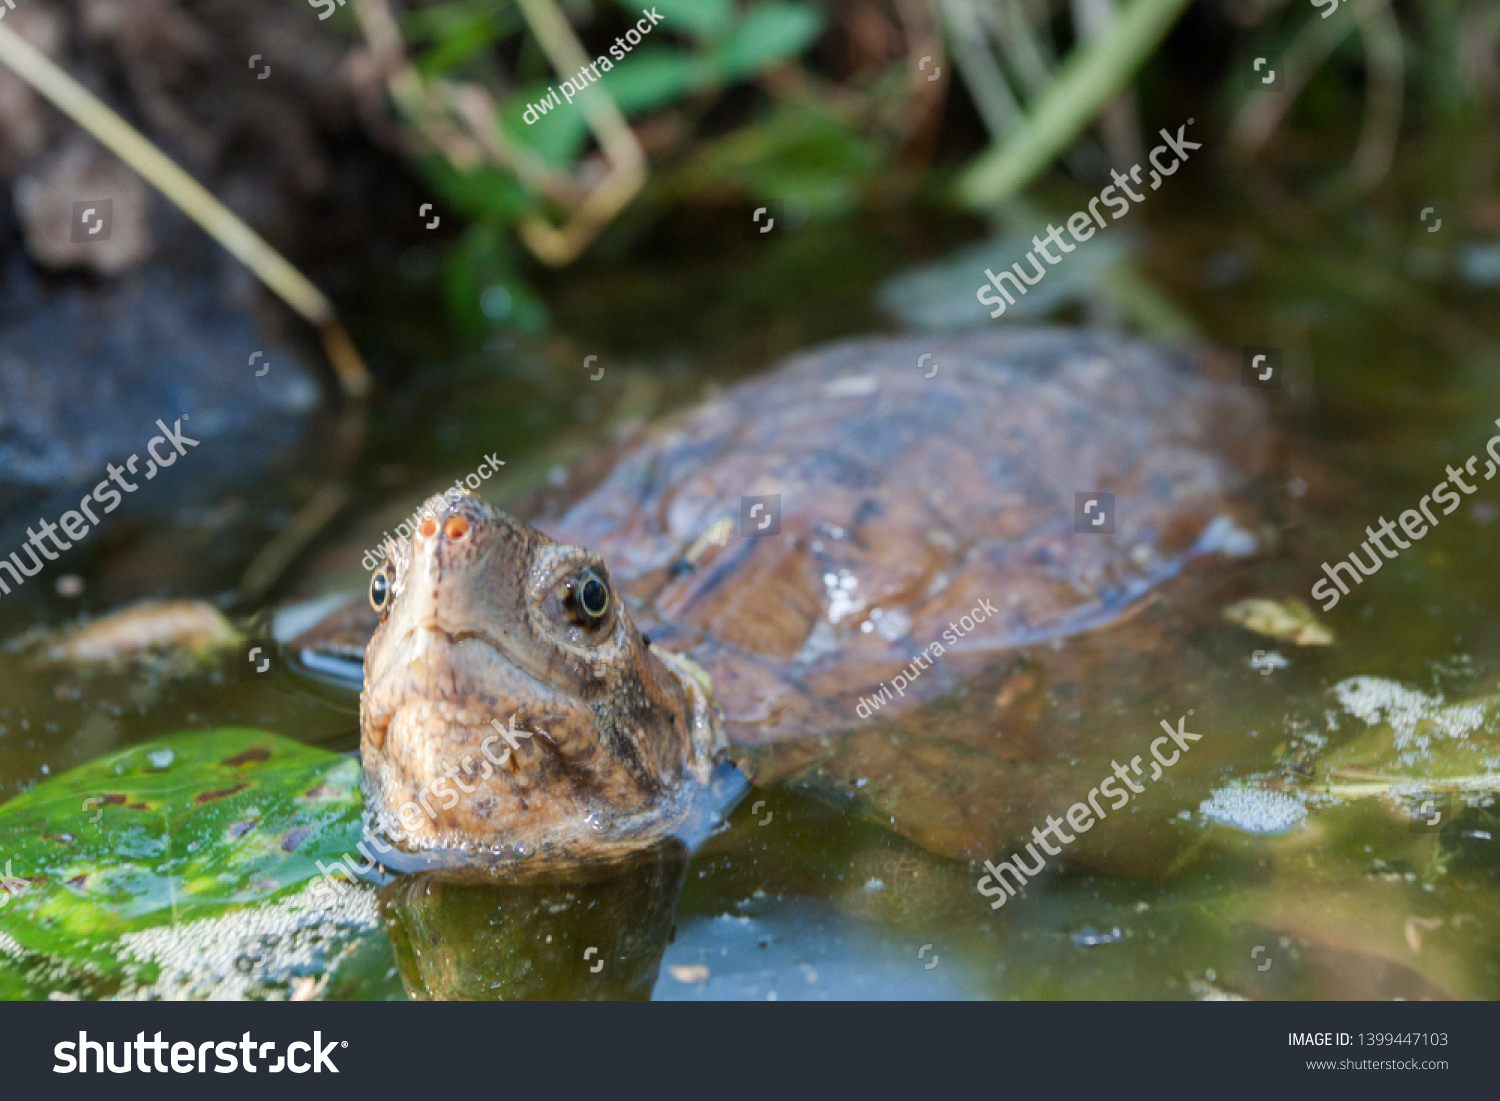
(380, 591)
(592, 595)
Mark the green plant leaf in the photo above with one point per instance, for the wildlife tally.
(800, 152)
(481, 192)
(769, 33)
(704, 19)
(1092, 75)
(558, 134)
(484, 288)
(181, 829)
(649, 78)
(457, 46)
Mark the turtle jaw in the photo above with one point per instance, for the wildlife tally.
(444, 777)
(462, 750)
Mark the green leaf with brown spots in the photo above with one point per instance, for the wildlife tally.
(163, 833)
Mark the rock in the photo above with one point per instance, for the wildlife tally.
(80, 207)
(85, 373)
(23, 117)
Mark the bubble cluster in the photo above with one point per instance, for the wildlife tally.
(1253, 810)
(1413, 716)
(254, 952)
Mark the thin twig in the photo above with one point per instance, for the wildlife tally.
(1385, 71)
(922, 32)
(1384, 74)
(278, 554)
(1261, 113)
(1409, 785)
(1030, 59)
(1093, 74)
(627, 174)
(431, 108)
(1119, 122)
(159, 170)
(982, 77)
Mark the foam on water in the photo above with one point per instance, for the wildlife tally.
(1253, 810)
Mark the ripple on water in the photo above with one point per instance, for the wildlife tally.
(1089, 937)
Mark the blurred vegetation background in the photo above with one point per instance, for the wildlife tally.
(900, 146)
(821, 110)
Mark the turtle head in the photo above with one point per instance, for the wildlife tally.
(509, 702)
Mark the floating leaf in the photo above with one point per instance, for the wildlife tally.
(146, 626)
(165, 833)
(1288, 620)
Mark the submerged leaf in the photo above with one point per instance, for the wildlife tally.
(1412, 738)
(1288, 620)
(149, 625)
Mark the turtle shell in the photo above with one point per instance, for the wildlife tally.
(925, 569)
(925, 617)
(907, 521)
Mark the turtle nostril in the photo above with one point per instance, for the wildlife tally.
(456, 527)
(428, 527)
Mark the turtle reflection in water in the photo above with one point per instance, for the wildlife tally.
(659, 621)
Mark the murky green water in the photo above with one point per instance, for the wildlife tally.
(1393, 372)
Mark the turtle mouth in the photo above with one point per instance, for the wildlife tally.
(458, 687)
(457, 731)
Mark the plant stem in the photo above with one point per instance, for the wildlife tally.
(159, 170)
(1092, 75)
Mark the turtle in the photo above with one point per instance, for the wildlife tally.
(891, 571)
